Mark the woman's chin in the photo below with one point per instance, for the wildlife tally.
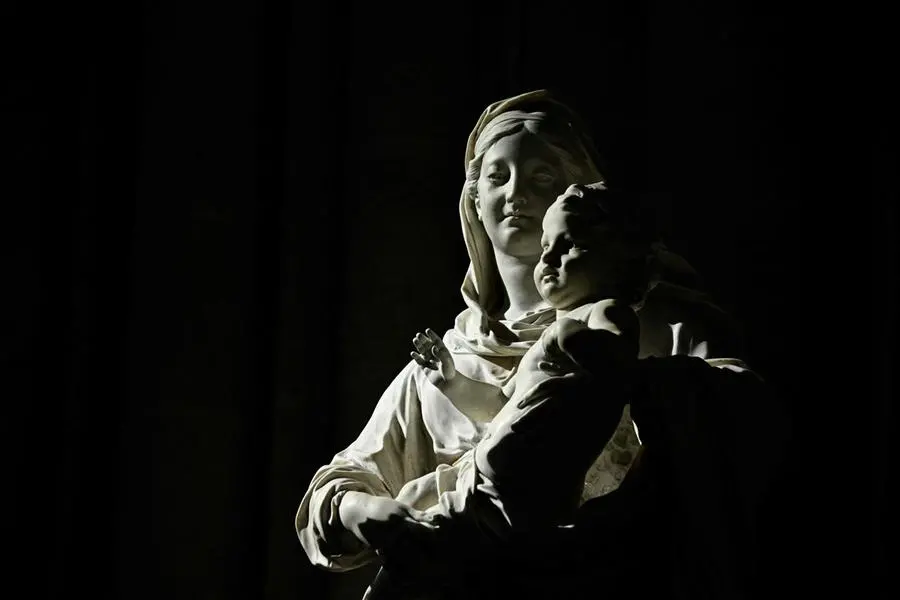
(521, 243)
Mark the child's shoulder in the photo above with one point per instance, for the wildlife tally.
(583, 312)
(591, 311)
(612, 315)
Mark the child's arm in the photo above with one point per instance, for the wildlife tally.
(604, 346)
(609, 340)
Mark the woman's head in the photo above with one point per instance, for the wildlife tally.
(522, 154)
(522, 162)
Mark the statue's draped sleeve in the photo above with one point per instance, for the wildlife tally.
(413, 447)
(392, 449)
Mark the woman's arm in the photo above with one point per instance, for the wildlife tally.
(392, 449)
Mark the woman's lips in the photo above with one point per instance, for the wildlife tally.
(517, 216)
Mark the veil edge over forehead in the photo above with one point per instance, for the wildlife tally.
(535, 100)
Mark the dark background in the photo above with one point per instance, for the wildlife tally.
(223, 223)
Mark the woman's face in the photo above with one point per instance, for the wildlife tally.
(520, 177)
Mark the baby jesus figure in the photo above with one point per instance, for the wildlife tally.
(531, 464)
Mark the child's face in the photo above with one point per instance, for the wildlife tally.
(578, 264)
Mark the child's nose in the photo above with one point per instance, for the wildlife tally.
(550, 257)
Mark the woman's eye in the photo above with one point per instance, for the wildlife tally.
(544, 178)
(496, 177)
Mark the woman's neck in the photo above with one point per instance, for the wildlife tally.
(517, 275)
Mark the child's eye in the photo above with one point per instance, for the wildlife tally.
(580, 245)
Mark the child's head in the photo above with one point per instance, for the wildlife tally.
(587, 255)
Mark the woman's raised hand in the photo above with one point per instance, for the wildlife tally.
(432, 354)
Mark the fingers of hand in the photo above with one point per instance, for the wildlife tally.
(418, 520)
(530, 399)
(421, 360)
(424, 356)
(435, 338)
(422, 344)
(556, 384)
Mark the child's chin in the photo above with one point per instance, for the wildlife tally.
(553, 297)
(563, 302)
(561, 297)
(551, 291)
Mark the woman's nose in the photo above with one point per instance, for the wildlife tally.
(516, 194)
